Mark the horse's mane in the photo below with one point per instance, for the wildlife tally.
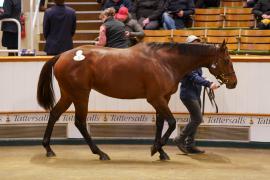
(185, 48)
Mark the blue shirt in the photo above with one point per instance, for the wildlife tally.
(191, 85)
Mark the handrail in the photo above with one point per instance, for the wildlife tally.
(19, 36)
(33, 20)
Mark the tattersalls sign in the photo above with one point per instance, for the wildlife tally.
(137, 118)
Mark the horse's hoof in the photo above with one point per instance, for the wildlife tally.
(50, 154)
(164, 157)
(154, 150)
(104, 157)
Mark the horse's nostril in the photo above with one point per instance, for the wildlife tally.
(234, 84)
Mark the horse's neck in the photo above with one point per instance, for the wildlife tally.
(184, 64)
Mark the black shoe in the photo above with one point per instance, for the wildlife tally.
(181, 145)
(194, 150)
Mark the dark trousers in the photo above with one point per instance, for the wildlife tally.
(10, 41)
(207, 3)
(194, 108)
(152, 25)
(263, 26)
(42, 3)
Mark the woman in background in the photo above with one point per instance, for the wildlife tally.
(112, 32)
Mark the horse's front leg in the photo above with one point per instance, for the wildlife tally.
(157, 146)
(163, 110)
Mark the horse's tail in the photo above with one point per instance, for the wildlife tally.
(45, 93)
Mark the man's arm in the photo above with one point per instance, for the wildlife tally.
(46, 25)
(257, 9)
(137, 30)
(102, 36)
(199, 80)
(74, 19)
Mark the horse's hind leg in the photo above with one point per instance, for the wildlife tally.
(81, 109)
(61, 106)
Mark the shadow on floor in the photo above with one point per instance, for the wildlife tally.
(209, 158)
(90, 161)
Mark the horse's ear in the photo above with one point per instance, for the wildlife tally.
(223, 46)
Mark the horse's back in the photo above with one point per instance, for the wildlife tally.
(120, 73)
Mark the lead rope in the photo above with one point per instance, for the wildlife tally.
(211, 96)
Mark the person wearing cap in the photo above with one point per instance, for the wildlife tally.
(134, 31)
(190, 91)
(112, 32)
(148, 13)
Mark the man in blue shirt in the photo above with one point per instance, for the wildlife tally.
(190, 92)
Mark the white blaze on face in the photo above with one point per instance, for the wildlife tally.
(79, 56)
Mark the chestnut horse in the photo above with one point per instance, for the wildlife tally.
(152, 71)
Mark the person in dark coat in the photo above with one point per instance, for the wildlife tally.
(116, 4)
(262, 12)
(59, 26)
(148, 13)
(134, 31)
(207, 3)
(177, 13)
(112, 32)
(11, 9)
(190, 92)
(251, 3)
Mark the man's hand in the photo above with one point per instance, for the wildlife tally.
(265, 16)
(180, 13)
(146, 21)
(127, 33)
(214, 86)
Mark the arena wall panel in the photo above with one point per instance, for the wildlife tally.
(244, 111)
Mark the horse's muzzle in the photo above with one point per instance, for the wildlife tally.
(231, 85)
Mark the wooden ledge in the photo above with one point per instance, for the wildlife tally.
(235, 58)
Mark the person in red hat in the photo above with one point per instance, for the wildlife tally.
(112, 31)
(134, 31)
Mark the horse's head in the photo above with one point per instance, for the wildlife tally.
(222, 67)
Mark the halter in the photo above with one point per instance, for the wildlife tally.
(225, 78)
(221, 76)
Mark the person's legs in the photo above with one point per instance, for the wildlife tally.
(186, 138)
(152, 25)
(179, 23)
(199, 4)
(10, 41)
(194, 109)
(261, 26)
(167, 21)
(212, 3)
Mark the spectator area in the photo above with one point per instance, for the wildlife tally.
(232, 22)
(250, 41)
